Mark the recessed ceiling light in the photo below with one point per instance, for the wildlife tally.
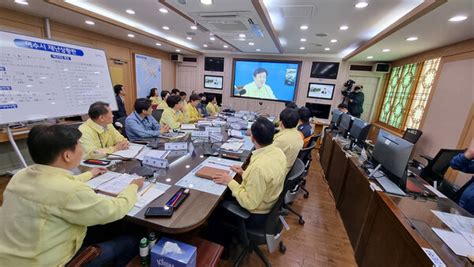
(302, 40)
(163, 10)
(304, 27)
(370, 57)
(206, 2)
(178, 50)
(194, 27)
(158, 44)
(212, 38)
(205, 45)
(189, 38)
(333, 41)
(258, 50)
(251, 43)
(302, 48)
(166, 28)
(327, 48)
(242, 35)
(361, 4)
(386, 50)
(225, 46)
(90, 22)
(458, 18)
(413, 38)
(21, 2)
(344, 28)
(129, 11)
(131, 35)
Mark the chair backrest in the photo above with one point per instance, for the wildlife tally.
(157, 114)
(305, 153)
(412, 135)
(437, 167)
(273, 225)
(122, 129)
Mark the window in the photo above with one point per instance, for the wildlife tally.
(406, 95)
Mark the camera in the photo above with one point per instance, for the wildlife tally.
(348, 85)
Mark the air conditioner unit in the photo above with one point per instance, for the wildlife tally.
(176, 58)
(226, 23)
(382, 67)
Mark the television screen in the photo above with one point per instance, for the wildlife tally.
(321, 90)
(214, 64)
(324, 70)
(268, 80)
(320, 111)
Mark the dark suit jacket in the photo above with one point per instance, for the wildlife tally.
(121, 108)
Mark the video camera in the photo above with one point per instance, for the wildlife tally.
(348, 85)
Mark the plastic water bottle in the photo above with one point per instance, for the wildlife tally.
(151, 240)
(144, 251)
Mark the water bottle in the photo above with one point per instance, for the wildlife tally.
(144, 251)
(151, 240)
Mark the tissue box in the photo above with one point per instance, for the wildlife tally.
(160, 258)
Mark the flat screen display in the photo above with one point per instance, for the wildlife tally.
(321, 90)
(267, 80)
(324, 70)
(214, 64)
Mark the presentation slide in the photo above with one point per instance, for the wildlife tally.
(42, 79)
(268, 80)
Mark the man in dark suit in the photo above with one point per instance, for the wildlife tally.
(119, 95)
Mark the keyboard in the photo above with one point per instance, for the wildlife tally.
(389, 186)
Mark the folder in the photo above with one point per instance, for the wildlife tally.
(209, 172)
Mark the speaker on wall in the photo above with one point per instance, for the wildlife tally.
(176, 58)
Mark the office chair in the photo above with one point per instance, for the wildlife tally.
(157, 114)
(437, 166)
(120, 126)
(293, 188)
(270, 234)
(412, 135)
(85, 256)
(305, 156)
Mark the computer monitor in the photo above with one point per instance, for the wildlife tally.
(392, 153)
(336, 118)
(345, 124)
(359, 131)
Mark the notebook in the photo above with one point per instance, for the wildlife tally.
(111, 183)
(209, 172)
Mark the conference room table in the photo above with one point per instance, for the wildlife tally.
(385, 229)
(198, 206)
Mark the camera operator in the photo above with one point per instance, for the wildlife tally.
(355, 100)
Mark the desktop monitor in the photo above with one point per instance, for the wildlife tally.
(345, 124)
(393, 153)
(336, 118)
(359, 131)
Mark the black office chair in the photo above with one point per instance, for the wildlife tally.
(437, 166)
(412, 135)
(157, 114)
(120, 126)
(271, 233)
(294, 187)
(306, 156)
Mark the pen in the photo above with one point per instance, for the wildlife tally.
(146, 189)
(170, 202)
(177, 198)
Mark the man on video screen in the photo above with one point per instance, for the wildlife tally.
(258, 88)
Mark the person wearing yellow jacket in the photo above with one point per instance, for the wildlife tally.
(47, 210)
(212, 107)
(191, 113)
(99, 137)
(172, 115)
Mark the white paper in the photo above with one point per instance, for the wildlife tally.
(459, 224)
(456, 242)
(131, 152)
(145, 195)
(235, 133)
(213, 129)
(248, 145)
(204, 123)
(435, 191)
(435, 259)
(142, 153)
(95, 182)
(157, 154)
(233, 144)
(190, 180)
(117, 184)
(188, 126)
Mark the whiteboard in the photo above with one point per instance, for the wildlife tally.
(41, 78)
(148, 74)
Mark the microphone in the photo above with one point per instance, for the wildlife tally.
(242, 92)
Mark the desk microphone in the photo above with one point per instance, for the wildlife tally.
(242, 92)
